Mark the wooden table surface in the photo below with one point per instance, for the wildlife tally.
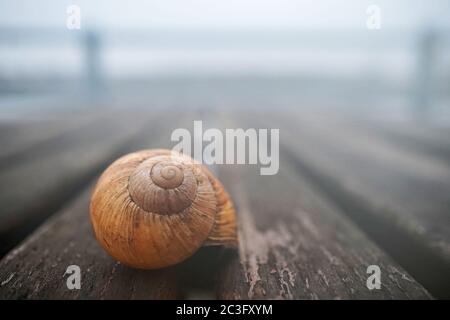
(350, 193)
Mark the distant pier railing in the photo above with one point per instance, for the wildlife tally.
(426, 45)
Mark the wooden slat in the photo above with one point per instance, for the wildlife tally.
(416, 186)
(17, 135)
(296, 244)
(36, 268)
(399, 197)
(20, 138)
(34, 188)
(421, 137)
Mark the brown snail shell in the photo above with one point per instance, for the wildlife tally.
(154, 208)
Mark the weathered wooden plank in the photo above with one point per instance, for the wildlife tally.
(399, 197)
(37, 187)
(36, 268)
(20, 139)
(296, 244)
(17, 133)
(421, 137)
(414, 185)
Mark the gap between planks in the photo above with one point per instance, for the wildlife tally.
(38, 187)
(35, 269)
(296, 244)
(380, 210)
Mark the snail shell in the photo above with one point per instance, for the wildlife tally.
(154, 208)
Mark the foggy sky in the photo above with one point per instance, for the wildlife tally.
(194, 14)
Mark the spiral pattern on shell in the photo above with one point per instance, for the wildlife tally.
(155, 208)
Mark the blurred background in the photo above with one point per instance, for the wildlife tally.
(360, 91)
(247, 52)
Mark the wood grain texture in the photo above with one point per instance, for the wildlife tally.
(36, 187)
(36, 268)
(398, 196)
(22, 139)
(416, 137)
(412, 183)
(296, 244)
